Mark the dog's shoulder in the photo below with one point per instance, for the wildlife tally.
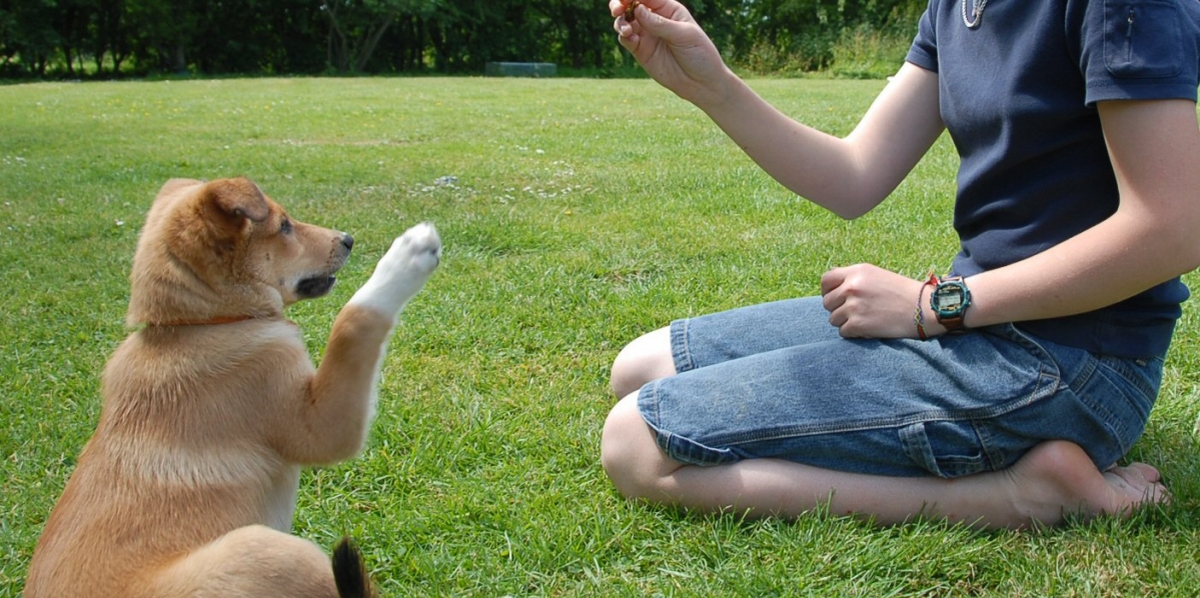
(214, 359)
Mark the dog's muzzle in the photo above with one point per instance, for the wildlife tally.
(318, 286)
(315, 286)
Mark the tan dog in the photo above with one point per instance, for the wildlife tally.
(189, 484)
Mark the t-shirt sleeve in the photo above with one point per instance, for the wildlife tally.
(923, 52)
(1139, 49)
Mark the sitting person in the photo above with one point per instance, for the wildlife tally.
(1000, 395)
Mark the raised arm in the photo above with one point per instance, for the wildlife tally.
(848, 176)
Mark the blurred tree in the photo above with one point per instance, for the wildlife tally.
(31, 32)
(109, 34)
(447, 36)
(163, 31)
(356, 27)
(8, 37)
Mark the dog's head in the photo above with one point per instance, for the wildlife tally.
(223, 249)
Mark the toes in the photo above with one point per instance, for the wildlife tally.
(1122, 483)
(1058, 475)
(1138, 483)
(1137, 475)
(423, 234)
(423, 242)
(1148, 472)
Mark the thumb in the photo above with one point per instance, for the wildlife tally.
(668, 29)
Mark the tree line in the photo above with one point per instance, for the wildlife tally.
(109, 38)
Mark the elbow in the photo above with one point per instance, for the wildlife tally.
(1177, 256)
(1183, 245)
(1190, 257)
(848, 203)
(1188, 245)
(849, 208)
(340, 450)
(849, 214)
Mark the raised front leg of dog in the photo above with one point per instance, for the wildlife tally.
(402, 271)
(342, 394)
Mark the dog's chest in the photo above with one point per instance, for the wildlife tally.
(281, 505)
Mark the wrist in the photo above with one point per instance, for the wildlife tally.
(949, 301)
(923, 316)
(724, 95)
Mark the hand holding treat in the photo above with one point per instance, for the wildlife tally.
(672, 47)
(629, 16)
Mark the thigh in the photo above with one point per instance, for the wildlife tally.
(250, 561)
(949, 407)
(723, 336)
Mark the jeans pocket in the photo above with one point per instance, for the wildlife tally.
(1122, 392)
(947, 449)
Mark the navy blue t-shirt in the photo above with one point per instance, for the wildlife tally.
(1018, 96)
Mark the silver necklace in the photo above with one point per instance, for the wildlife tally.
(976, 12)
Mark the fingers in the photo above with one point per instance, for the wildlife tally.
(832, 280)
(657, 18)
(832, 300)
(868, 301)
(626, 34)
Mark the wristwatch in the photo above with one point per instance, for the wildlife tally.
(949, 301)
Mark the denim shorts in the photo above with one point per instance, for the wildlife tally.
(777, 381)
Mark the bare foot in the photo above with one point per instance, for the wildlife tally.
(1056, 479)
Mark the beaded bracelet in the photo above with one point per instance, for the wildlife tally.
(919, 313)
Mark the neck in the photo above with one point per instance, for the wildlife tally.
(204, 322)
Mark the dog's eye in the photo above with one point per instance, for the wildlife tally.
(285, 226)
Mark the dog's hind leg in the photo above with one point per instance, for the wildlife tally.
(251, 561)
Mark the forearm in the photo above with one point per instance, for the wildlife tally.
(1106, 264)
(812, 164)
(848, 176)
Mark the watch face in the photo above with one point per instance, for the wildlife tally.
(950, 299)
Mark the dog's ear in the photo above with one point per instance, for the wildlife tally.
(236, 199)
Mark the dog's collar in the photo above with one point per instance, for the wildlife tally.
(209, 322)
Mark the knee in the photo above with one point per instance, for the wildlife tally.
(613, 451)
(646, 358)
(625, 377)
(628, 451)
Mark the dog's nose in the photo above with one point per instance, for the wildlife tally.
(348, 242)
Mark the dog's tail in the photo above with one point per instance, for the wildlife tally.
(350, 571)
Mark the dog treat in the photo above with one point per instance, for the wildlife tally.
(629, 10)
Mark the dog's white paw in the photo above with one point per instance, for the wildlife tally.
(402, 271)
(418, 251)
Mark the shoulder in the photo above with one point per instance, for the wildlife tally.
(923, 52)
(1137, 49)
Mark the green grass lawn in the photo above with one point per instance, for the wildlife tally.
(583, 213)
